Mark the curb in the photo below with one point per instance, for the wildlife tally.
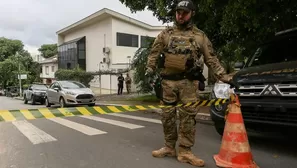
(18, 98)
(200, 117)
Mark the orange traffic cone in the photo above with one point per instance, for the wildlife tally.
(235, 150)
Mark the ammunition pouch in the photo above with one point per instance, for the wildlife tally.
(177, 62)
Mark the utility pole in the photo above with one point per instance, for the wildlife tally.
(19, 73)
(100, 76)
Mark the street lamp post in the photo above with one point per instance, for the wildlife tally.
(100, 76)
(128, 57)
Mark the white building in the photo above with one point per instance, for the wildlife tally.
(49, 66)
(103, 40)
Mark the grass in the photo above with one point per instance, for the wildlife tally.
(145, 98)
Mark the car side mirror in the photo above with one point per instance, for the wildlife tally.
(56, 89)
(239, 65)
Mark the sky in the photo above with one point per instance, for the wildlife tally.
(35, 22)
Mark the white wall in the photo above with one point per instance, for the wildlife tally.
(47, 70)
(94, 42)
(119, 53)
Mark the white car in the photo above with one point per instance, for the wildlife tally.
(69, 93)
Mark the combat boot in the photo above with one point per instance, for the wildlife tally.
(189, 157)
(165, 151)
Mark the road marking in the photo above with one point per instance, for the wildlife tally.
(113, 109)
(83, 111)
(27, 114)
(136, 118)
(46, 113)
(6, 115)
(113, 122)
(34, 134)
(78, 127)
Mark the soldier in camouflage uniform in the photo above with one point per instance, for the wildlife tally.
(128, 82)
(185, 48)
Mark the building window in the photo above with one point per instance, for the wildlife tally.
(72, 54)
(146, 41)
(127, 40)
(53, 68)
(46, 70)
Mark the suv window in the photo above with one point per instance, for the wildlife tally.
(278, 51)
(38, 87)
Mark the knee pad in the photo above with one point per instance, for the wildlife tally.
(169, 103)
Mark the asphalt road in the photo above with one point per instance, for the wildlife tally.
(116, 142)
(8, 103)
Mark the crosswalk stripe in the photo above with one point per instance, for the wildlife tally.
(34, 134)
(99, 110)
(141, 108)
(113, 109)
(113, 122)
(27, 114)
(46, 113)
(83, 110)
(6, 115)
(78, 127)
(128, 108)
(136, 118)
(65, 112)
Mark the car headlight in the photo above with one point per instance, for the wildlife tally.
(222, 90)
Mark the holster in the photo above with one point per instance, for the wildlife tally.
(196, 74)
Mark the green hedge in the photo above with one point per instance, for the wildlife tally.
(75, 75)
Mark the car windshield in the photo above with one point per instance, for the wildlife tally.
(275, 52)
(39, 87)
(72, 85)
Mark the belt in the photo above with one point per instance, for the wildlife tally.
(174, 77)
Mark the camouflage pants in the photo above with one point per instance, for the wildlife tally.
(128, 87)
(173, 92)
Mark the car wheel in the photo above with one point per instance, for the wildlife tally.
(47, 103)
(33, 100)
(219, 126)
(91, 105)
(25, 100)
(62, 102)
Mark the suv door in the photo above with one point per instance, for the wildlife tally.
(51, 92)
(29, 93)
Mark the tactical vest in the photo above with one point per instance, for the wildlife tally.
(182, 51)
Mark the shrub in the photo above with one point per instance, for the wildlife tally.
(75, 75)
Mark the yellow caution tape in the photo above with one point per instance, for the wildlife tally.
(29, 114)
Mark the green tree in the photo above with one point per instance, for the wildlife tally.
(234, 27)
(9, 47)
(8, 69)
(139, 66)
(14, 60)
(48, 50)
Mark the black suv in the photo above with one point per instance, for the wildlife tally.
(35, 93)
(267, 86)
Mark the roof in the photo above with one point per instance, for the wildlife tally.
(103, 14)
(49, 60)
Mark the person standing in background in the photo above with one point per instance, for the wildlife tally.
(128, 82)
(120, 84)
